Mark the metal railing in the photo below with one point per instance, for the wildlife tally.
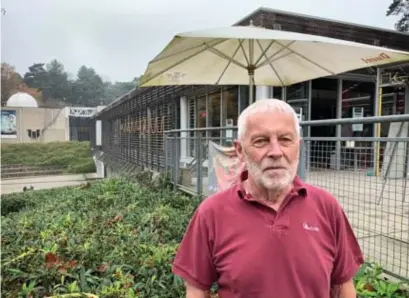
(367, 174)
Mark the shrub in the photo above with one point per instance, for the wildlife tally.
(110, 238)
(369, 282)
(14, 203)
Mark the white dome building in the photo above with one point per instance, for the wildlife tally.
(22, 100)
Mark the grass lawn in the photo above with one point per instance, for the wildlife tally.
(72, 157)
(112, 238)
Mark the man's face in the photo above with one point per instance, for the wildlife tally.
(270, 149)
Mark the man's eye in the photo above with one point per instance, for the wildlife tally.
(260, 142)
(286, 140)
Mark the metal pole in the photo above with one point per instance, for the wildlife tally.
(309, 108)
(338, 127)
(177, 159)
(251, 71)
(174, 163)
(406, 110)
(199, 180)
(251, 89)
(165, 151)
(378, 112)
(302, 160)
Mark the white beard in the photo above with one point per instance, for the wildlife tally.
(272, 181)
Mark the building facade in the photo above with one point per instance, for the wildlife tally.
(132, 127)
(33, 124)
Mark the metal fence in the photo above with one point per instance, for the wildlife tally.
(368, 175)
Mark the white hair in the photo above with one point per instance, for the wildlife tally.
(265, 105)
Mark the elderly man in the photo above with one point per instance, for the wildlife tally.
(270, 235)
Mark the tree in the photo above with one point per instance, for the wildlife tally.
(58, 85)
(12, 82)
(9, 81)
(36, 77)
(117, 89)
(89, 89)
(400, 8)
(51, 79)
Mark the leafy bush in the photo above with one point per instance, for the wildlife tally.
(369, 282)
(111, 238)
(13, 203)
(72, 157)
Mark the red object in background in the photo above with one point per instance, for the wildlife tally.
(203, 114)
(400, 104)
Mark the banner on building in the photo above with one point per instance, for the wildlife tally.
(8, 124)
(224, 167)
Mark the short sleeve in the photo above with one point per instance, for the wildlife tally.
(193, 261)
(348, 256)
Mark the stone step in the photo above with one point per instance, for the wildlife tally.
(12, 175)
(25, 168)
(12, 166)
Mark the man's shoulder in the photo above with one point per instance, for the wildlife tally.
(320, 194)
(217, 201)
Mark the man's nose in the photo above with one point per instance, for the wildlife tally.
(274, 149)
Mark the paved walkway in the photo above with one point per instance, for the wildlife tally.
(378, 210)
(43, 182)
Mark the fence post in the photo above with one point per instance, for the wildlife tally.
(302, 161)
(165, 149)
(199, 182)
(174, 162)
(177, 158)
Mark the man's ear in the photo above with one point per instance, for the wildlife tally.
(239, 149)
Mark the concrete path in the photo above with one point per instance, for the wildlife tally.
(44, 182)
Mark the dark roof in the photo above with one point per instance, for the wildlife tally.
(288, 21)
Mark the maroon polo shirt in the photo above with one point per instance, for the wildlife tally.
(252, 251)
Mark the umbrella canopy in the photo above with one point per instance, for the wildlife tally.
(241, 55)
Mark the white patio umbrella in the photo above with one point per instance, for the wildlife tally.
(241, 55)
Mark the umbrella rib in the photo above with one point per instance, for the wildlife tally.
(175, 64)
(224, 56)
(227, 66)
(269, 62)
(244, 52)
(263, 52)
(275, 54)
(185, 50)
(309, 60)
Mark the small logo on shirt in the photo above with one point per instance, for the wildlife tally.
(310, 227)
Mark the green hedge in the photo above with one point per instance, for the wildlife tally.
(72, 157)
(111, 238)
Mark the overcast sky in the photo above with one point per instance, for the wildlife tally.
(119, 37)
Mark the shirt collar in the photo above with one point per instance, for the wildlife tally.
(299, 187)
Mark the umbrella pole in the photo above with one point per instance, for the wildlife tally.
(251, 85)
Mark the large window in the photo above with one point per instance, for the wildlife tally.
(357, 100)
(243, 98)
(214, 113)
(230, 106)
(393, 103)
(297, 97)
(230, 113)
(297, 91)
(201, 111)
(278, 93)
